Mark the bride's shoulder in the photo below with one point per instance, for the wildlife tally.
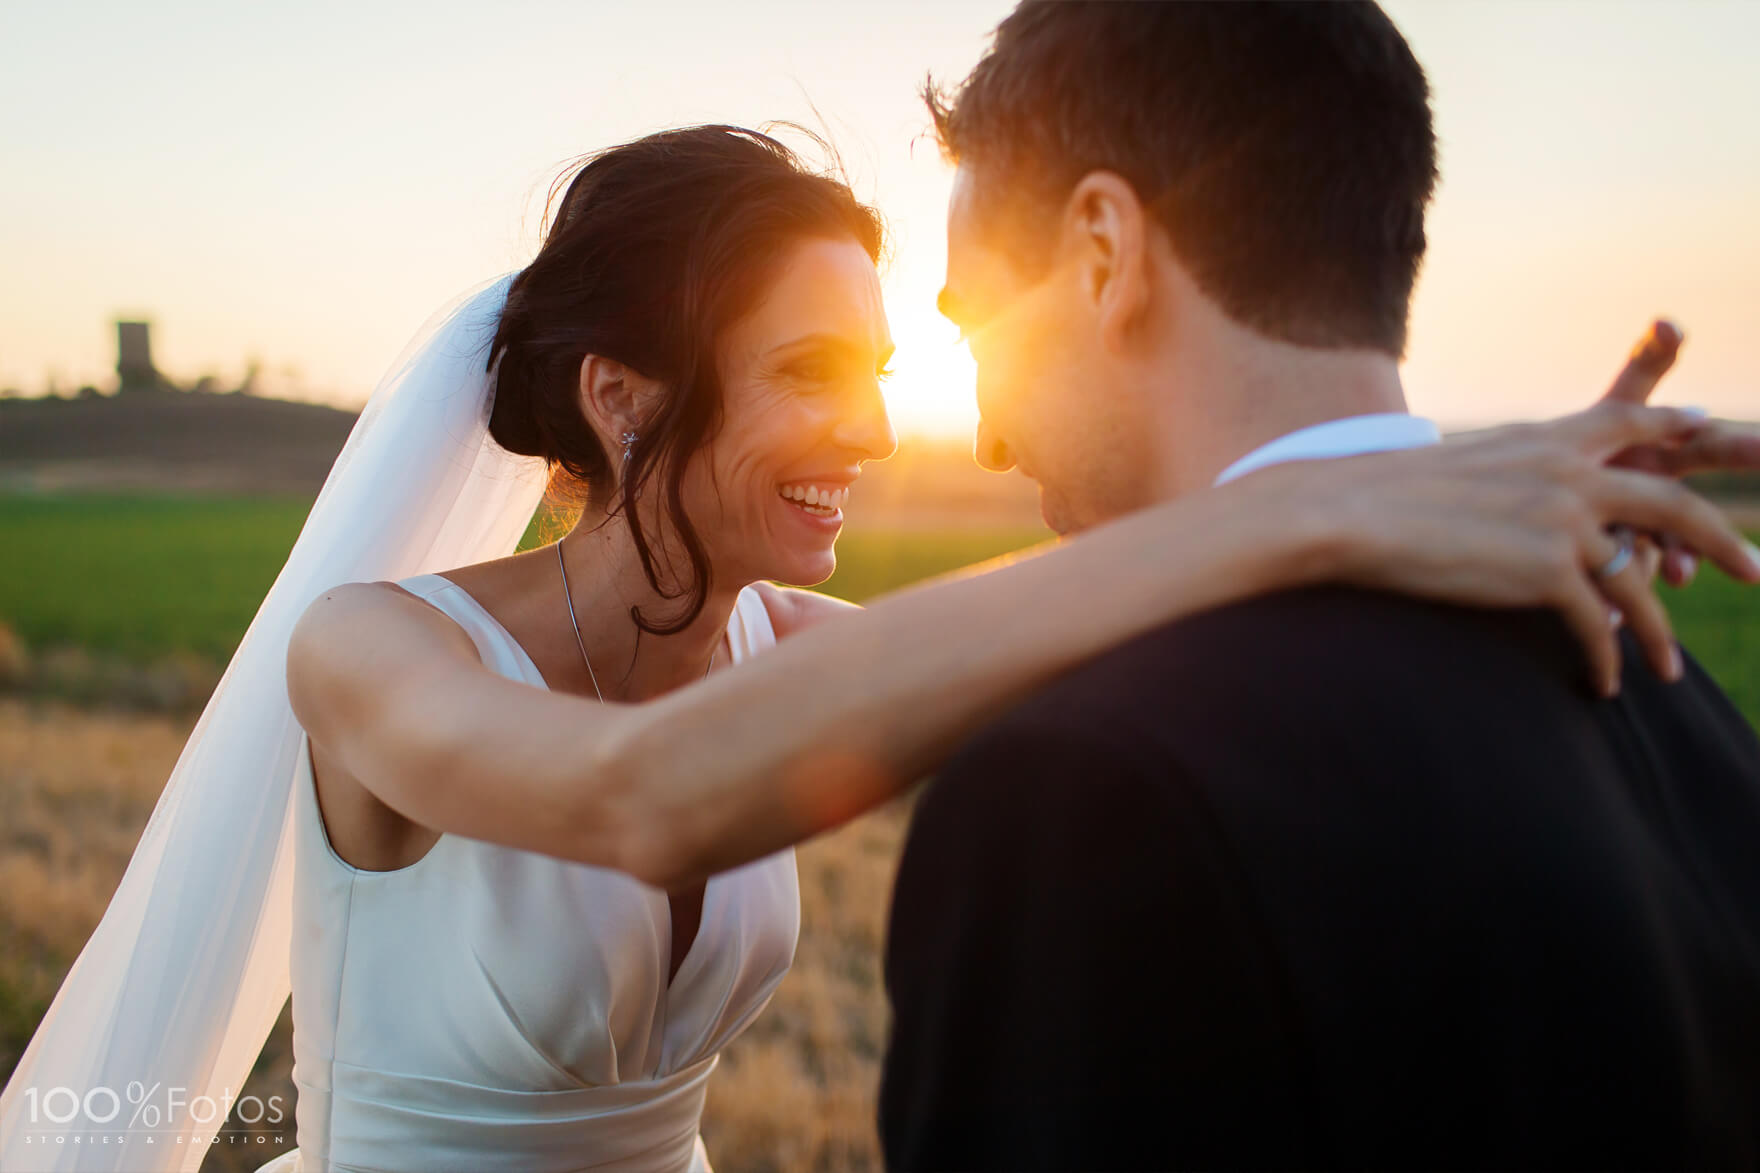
(353, 620)
(793, 610)
(351, 603)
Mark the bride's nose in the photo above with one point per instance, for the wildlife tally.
(867, 429)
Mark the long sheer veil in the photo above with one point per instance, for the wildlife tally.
(187, 972)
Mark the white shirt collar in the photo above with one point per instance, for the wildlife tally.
(1351, 436)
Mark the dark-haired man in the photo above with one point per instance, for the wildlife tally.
(1331, 877)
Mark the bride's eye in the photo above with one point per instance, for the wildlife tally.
(885, 372)
(813, 370)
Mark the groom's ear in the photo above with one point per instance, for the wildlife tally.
(615, 398)
(1106, 232)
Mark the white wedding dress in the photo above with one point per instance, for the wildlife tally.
(487, 1008)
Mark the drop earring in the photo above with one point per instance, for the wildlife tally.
(629, 439)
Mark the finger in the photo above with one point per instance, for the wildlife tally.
(1663, 506)
(1679, 563)
(1612, 426)
(1649, 458)
(1629, 591)
(1647, 555)
(1717, 445)
(1649, 361)
(1586, 611)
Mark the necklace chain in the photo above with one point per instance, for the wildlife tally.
(581, 644)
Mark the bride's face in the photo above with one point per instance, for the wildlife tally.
(801, 412)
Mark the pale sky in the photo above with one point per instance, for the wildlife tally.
(305, 183)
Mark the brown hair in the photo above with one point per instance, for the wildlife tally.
(1286, 148)
(658, 247)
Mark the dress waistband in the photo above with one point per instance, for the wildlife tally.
(382, 1120)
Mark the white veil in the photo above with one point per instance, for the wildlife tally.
(184, 977)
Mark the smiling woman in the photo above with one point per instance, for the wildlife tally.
(697, 354)
(765, 312)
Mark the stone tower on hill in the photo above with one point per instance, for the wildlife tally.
(134, 358)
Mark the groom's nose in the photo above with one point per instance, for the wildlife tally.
(990, 450)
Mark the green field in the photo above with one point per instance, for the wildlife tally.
(144, 577)
(141, 576)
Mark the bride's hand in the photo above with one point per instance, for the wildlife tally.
(1724, 446)
(1520, 517)
(1710, 448)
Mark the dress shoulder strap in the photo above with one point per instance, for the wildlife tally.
(495, 644)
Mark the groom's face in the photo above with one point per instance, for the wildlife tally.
(1050, 396)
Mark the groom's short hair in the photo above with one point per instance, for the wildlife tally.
(1286, 148)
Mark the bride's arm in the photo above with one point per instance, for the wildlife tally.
(843, 716)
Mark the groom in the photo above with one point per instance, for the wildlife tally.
(1331, 877)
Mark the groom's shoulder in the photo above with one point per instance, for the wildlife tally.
(1320, 636)
(1323, 653)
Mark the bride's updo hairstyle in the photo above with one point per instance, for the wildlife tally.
(657, 248)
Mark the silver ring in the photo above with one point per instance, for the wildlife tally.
(1622, 557)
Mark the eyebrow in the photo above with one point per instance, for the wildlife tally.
(831, 341)
(820, 338)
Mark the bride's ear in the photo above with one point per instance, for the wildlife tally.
(615, 398)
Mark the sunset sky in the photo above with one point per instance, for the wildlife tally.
(304, 184)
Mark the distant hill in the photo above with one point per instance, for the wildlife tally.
(192, 441)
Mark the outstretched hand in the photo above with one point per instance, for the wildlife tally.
(1716, 446)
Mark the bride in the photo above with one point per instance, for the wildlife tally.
(520, 825)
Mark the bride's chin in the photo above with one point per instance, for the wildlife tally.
(801, 568)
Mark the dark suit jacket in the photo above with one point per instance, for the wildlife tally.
(1335, 878)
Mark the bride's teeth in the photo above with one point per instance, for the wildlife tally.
(813, 497)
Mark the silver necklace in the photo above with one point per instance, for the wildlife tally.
(581, 644)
